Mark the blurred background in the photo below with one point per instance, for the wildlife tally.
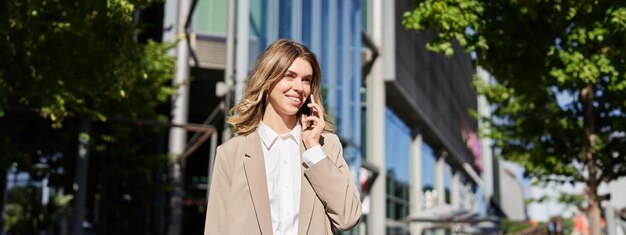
(456, 116)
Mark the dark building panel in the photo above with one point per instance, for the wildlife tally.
(431, 92)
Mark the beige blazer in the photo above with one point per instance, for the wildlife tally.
(239, 201)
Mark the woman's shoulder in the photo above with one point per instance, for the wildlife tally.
(234, 142)
(231, 148)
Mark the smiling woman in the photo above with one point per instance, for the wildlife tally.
(288, 95)
(284, 172)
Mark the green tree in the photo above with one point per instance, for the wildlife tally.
(25, 217)
(540, 52)
(64, 59)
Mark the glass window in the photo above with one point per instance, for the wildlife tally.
(328, 58)
(447, 182)
(364, 17)
(428, 176)
(260, 29)
(340, 60)
(355, 73)
(307, 27)
(257, 16)
(480, 197)
(340, 65)
(397, 147)
(325, 51)
(210, 17)
(285, 19)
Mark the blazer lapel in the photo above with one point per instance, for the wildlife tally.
(254, 166)
(307, 199)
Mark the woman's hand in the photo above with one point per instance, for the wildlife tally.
(312, 126)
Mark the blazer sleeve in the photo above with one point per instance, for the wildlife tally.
(332, 181)
(216, 220)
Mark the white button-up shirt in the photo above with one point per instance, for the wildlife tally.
(282, 167)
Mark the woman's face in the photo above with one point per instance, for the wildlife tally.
(289, 93)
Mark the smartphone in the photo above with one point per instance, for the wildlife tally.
(305, 107)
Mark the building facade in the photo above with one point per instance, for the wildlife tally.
(419, 133)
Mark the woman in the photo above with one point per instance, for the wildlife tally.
(283, 172)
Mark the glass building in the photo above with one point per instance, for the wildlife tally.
(429, 166)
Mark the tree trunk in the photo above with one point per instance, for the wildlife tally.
(586, 95)
(594, 217)
(3, 185)
(80, 177)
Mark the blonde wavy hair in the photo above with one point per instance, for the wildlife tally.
(270, 68)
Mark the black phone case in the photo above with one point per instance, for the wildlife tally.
(305, 107)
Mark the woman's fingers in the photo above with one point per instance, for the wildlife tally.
(313, 122)
(317, 110)
(305, 124)
(313, 125)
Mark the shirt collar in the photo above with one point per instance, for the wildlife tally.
(269, 136)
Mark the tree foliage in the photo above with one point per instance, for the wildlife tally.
(79, 56)
(559, 107)
(25, 217)
(64, 59)
(542, 53)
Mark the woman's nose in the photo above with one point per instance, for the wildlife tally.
(297, 85)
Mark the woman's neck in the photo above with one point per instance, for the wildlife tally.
(279, 123)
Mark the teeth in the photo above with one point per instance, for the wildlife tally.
(294, 99)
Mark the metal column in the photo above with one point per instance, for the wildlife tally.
(179, 112)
